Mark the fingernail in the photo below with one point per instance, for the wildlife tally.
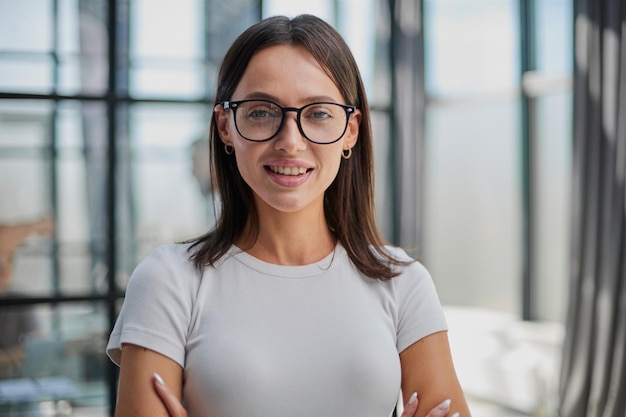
(444, 405)
(159, 379)
(456, 414)
(413, 398)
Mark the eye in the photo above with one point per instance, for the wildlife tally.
(261, 111)
(318, 113)
(258, 114)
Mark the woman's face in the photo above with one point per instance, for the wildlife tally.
(289, 76)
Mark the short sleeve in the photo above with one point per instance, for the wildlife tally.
(419, 311)
(157, 309)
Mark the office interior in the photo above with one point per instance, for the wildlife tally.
(104, 112)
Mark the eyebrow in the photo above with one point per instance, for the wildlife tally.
(265, 96)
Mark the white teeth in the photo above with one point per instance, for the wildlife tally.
(287, 170)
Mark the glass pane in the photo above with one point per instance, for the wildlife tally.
(472, 204)
(554, 153)
(181, 61)
(154, 36)
(26, 26)
(50, 47)
(170, 198)
(554, 158)
(21, 73)
(473, 218)
(471, 47)
(81, 196)
(71, 188)
(59, 365)
(25, 171)
(24, 123)
(554, 37)
(24, 165)
(83, 47)
(378, 81)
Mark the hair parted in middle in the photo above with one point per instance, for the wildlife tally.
(349, 200)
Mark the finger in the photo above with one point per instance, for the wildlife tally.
(173, 405)
(410, 408)
(441, 410)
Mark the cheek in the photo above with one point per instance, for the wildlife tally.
(333, 161)
(247, 155)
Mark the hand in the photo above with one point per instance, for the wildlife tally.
(176, 409)
(173, 405)
(441, 410)
(12, 236)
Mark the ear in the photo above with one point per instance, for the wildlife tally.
(352, 131)
(221, 121)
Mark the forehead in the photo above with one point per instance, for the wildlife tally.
(285, 72)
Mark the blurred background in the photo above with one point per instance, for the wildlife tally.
(104, 110)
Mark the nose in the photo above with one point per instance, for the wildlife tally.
(290, 138)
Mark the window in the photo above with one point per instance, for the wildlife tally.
(101, 122)
(477, 216)
(104, 111)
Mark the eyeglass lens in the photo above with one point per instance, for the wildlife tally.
(260, 120)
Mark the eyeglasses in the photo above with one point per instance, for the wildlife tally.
(261, 120)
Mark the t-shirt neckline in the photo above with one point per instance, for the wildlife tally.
(287, 271)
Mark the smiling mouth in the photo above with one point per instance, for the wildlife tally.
(291, 171)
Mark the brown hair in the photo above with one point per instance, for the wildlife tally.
(349, 200)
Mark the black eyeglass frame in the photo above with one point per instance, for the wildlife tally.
(233, 105)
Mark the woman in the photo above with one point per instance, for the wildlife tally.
(292, 305)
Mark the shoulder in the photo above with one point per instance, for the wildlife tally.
(171, 252)
(171, 256)
(409, 267)
(158, 304)
(165, 266)
(414, 282)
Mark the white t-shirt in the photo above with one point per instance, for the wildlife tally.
(265, 340)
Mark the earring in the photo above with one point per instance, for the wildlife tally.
(346, 153)
(229, 149)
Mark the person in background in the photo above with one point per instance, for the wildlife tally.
(16, 322)
(293, 304)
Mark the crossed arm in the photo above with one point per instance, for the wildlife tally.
(427, 369)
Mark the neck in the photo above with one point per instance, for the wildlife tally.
(290, 238)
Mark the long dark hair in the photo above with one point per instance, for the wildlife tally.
(349, 201)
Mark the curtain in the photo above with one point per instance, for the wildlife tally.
(408, 121)
(593, 376)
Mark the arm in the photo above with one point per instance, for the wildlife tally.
(136, 397)
(427, 368)
(12, 236)
(176, 409)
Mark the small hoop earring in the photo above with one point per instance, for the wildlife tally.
(346, 153)
(229, 149)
